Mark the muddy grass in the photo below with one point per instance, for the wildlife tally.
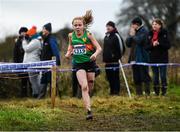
(110, 113)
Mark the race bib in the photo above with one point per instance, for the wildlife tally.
(79, 50)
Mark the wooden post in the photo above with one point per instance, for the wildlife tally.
(53, 84)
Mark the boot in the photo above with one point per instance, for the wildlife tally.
(157, 90)
(164, 90)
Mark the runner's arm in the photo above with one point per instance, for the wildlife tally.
(96, 44)
(70, 48)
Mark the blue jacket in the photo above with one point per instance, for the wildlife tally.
(50, 49)
(138, 45)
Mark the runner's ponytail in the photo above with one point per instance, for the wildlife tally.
(88, 18)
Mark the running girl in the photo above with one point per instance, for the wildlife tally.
(84, 48)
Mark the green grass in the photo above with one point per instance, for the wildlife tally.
(110, 113)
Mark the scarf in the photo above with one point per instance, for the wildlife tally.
(155, 36)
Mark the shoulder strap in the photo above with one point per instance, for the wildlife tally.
(121, 44)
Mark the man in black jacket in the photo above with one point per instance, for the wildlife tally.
(113, 50)
(18, 55)
(49, 49)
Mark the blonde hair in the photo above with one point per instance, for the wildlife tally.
(87, 19)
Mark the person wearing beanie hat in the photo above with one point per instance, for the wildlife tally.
(50, 48)
(32, 48)
(18, 55)
(32, 31)
(110, 23)
(48, 27)
(23, 30)
(113, 50)
(137, 41)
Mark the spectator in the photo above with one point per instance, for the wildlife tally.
(18, 55)
(49, 49)
(113, 50)
(32, 47)
(137, 41)
(158, 46)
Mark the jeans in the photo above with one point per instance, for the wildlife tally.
(35, 83)
(161, 72)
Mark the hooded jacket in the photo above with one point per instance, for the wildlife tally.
(32, 49)
(113, 47)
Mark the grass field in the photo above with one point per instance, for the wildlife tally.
(110, 113)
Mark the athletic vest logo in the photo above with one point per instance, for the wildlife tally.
(84, 40)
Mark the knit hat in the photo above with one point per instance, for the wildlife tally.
(32, 31)
(110, 23)
(23, 29)
(48, 27)
(137, 20)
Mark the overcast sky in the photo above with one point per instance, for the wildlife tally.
(17, 13)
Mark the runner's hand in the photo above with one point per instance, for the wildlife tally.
(68, 55)
(93, 57)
